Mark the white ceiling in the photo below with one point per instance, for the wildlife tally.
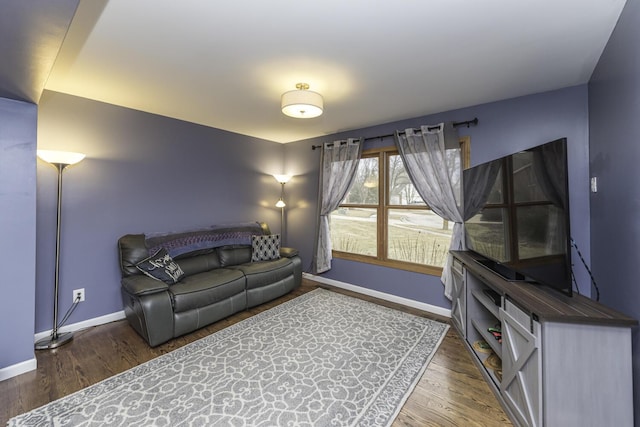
(225, 64)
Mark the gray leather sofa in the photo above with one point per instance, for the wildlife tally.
(219, 278)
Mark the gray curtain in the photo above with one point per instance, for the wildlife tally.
(435, 172)
(338, 166)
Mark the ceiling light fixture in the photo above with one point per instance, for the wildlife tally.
(302, 103)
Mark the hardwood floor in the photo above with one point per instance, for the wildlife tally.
(452, 392)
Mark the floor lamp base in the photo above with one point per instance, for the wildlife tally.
(50, 343)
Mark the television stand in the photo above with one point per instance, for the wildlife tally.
(553, 360)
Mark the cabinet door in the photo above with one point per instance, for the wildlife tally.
(521, 385)
(459, 299)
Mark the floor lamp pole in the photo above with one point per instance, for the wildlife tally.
(57, 339)
(282, 230)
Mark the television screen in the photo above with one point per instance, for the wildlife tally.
(516, 212)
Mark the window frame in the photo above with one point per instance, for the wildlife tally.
(382, 210)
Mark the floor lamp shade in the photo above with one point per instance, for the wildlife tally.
(60, 157)
(60, 160)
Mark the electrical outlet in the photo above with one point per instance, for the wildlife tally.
(79, 292)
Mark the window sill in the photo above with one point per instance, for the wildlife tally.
(400, 265)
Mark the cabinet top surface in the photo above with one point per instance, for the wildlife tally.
(543, 302)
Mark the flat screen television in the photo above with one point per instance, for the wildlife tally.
(516, 211)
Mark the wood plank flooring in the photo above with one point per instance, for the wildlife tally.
(452, 392)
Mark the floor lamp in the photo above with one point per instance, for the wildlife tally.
(282, 179)
(60, 160)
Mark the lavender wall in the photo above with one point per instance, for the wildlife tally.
(143, 173)
(505, 127)
(18, 122)
(614, 109)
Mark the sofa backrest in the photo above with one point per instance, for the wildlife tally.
(190, 250)
(197, 263)
(234, 255)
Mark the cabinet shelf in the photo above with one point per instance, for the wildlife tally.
(481, 326)
(486, 302)
(490, 372)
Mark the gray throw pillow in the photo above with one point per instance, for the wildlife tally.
(265, 247)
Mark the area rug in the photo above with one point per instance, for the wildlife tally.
(322, 359)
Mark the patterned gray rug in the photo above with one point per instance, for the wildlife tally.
(322, 359)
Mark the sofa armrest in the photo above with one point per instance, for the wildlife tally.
(288, 252)
(143, 285)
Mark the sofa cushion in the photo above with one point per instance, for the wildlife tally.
(265, 272)
(161, 266)
(234, 255)
(265, 248)
(206, 288)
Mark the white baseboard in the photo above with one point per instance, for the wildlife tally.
(107, 318)
(32, 364)
(381, 295)
(18, 368)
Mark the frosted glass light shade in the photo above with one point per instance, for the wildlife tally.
(60, 157)
(302, 104)
(282, 179)
(280, 204)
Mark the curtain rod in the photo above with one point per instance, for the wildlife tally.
(456, 124)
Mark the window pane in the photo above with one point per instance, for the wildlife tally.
(418, 236)
(364, 190)
(401, 190)
(354, 230)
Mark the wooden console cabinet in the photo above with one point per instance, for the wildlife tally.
(566, 361)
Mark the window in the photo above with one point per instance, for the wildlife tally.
(384, 221)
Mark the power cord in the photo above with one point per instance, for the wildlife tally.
(575, 282)
(69, 311)
(593, 280)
